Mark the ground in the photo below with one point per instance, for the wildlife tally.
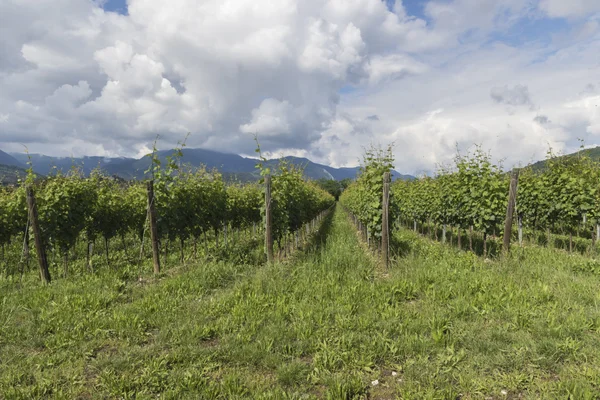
(330, 322)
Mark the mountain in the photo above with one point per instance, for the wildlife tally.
(318, 171)
(46, 165)
(232, 166)
(10, 175)
(228, 164)
(7, 159)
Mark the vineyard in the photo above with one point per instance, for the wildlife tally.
(188, 286)
(469, 201)
(79, 217)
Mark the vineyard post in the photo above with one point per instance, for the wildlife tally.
(26, 249)
(268, 222)
(471, 237)
(385, 226)
(510, 209)
(90, 253)
(153, 228)
(520, 222)
(39, 243)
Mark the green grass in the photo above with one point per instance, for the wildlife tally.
(323, 325)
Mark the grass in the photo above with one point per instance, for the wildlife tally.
(325, 324)
(124, 254)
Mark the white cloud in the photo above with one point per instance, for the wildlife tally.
(569, 9)
(428, 115)
(272, 118)
(202, 67)
(391, 67)
(331, 51)
(307, 76)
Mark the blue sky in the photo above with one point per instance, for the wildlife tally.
(412, 7)
(118, 6)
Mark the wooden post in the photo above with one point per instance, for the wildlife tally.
(570, 241)
(90, 254)
(510, 209)
(385, 225)
(444, 233)
(520, 222)
(153, 228)
(485, 244)
(268, 217)
(471, 237)
(26, 248)
(39, 243)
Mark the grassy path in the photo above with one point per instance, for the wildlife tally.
(442, 324)
(211, 331)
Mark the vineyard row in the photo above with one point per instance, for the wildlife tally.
(175, 206)
(476, 195)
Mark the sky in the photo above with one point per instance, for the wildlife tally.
(322, 79)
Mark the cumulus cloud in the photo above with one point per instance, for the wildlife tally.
(218, 69)
(428, 115)
(320, 78)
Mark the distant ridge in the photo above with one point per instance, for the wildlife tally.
(232, 166)
(10, 175)
(7, 159)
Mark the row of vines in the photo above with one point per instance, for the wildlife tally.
(562, 197)
(190, 204)
(363, 198)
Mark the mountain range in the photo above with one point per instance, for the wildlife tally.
(232, 166)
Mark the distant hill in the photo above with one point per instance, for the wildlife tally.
(46, 165)
(10, 175)
(232, 166)
(8, 160)
(593, 153)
